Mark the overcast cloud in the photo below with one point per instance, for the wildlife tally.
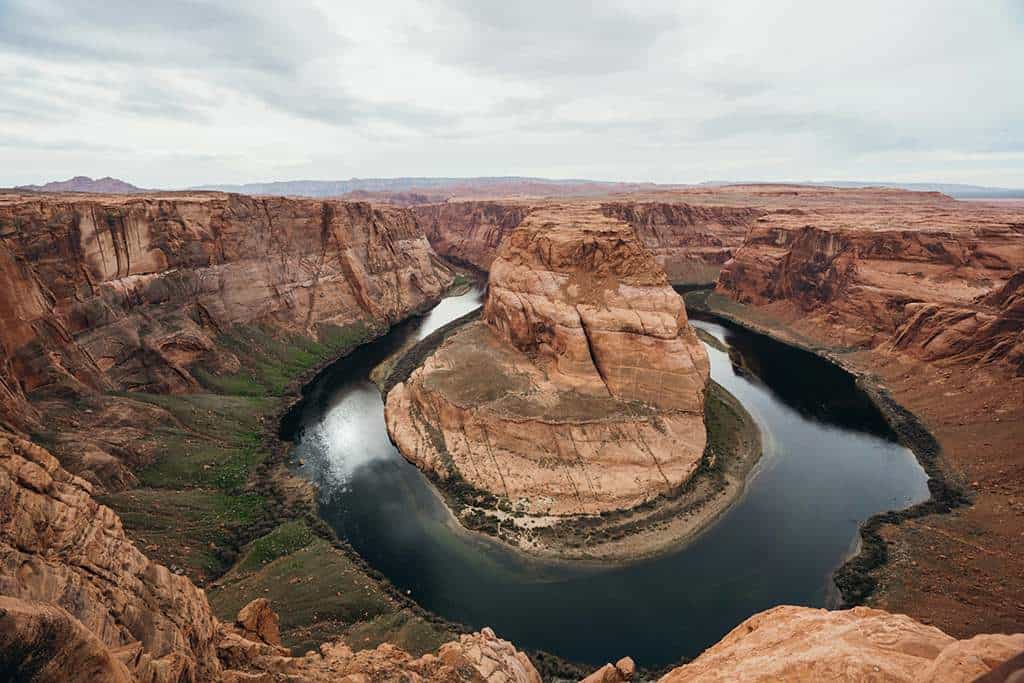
(183, 93)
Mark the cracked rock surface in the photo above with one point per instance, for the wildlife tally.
(581, 389)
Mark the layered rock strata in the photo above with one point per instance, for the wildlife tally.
(922, 276)
(580, 390)
(862, 644)
(689, 242)
(919, 295)
(470, 232)
(81, 602)
(129, 293)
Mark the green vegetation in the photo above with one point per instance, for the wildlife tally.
(327, 593)
(211, 504)
(216, 443)
(283, 540)
(192, 530)
(271, 362)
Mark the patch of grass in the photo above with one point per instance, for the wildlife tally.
(320, 592)
(200, 512)
(216, 443)
(403, 629)
(270, 362)
(195, 530)
(283, 540)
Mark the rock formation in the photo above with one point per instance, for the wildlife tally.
(689, 242)
(890, 272)
(59, 547)
(919, 295)
(862, 644)
(545, 401)
(128, 293)
(81, 602)
(470, 232)
(990, 330)
(580, 391)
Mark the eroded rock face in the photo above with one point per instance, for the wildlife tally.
(581, 390)
(582, 296)
(920, 275)
(59, 547)
(989, 331)
(470, 232)
(78, 601)
(862, 644)
(689, 242)
(477, 658)
(128, 293)
(140, 285)
(45, 644)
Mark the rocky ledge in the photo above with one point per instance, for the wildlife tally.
(579, 392)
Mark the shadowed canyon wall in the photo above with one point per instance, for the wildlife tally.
(689, 242)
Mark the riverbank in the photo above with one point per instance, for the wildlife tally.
(952, 561)
(664, 524)
(220, 504)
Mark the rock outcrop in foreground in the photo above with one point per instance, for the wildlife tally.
(862, 644)
(81, 602)
(582, 388)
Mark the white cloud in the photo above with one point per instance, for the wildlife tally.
(185, 93)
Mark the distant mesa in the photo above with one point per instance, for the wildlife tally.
(81, 183)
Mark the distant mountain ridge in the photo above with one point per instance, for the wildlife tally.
(405, 190)
(511, 185)
(454, 186)
(81, 183)
(954, 190)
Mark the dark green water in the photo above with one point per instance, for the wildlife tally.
(830, 462)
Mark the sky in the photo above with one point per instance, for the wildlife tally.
(175, 94)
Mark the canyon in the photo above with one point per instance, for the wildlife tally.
(146, 339)
(916, 294)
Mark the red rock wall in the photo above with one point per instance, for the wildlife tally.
(124, 293)
(470, 232)
(871, 286)
(689, 242)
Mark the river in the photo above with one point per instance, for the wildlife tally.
(830, 461)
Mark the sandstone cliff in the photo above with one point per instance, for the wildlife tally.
(802, 644)
(582, 388)
(889, 275)
(470, 232)
(81, 602)
(690, 242)
(129, 293)
(919, 295)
